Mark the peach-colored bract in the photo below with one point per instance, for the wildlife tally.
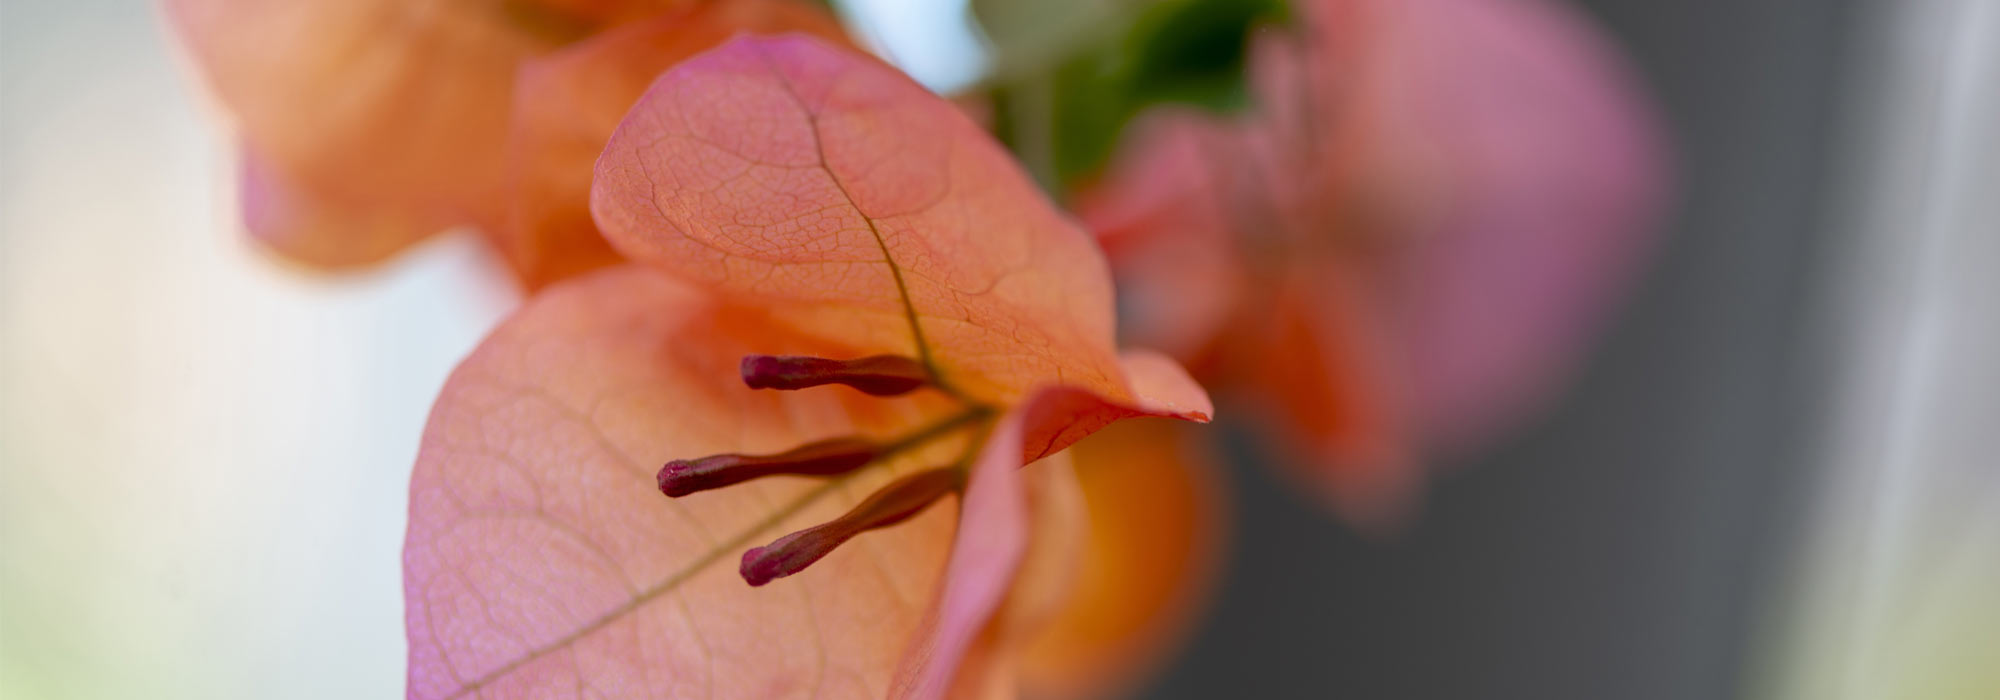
(1157, 509)
(540, 558)
(1404, 242)
(567, 103)
(367, 125)
(541, 561)
(790, 174)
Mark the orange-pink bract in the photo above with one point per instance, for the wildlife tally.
(778, 197)
(1157, 524)
(367, 125)
(1405, 241)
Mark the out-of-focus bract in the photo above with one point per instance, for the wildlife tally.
(1406, 238)
(368, 125)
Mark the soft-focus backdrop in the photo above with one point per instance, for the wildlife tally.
(1774, 479)
(205, 454)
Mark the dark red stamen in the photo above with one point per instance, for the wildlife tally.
(898, 501)
(881, 375)
(824, 458)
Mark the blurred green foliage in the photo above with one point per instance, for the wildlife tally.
(1070, 74)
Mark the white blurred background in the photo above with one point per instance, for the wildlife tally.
(205, 455)
(1895, 586)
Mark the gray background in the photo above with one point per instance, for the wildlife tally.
(1627, 545)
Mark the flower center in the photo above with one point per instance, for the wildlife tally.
(880, 375)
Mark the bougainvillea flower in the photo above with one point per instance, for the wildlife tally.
(1405, 241)
(367, 125)
(845, 306)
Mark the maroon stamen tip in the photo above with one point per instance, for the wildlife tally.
(880, 375)
(756, 572)
(786, 556)
(824, 458)
(895, 503)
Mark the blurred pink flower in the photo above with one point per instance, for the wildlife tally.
(368, 125)
(1406, 241)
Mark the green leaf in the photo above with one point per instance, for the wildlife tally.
(1070, 76)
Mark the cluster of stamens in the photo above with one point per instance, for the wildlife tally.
(900, 500)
